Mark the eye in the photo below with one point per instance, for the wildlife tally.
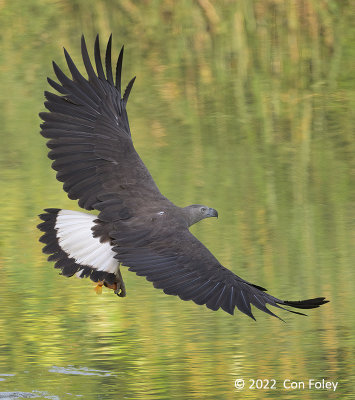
(203, 209)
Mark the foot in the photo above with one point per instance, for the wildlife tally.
(121, 290)
(98, 287)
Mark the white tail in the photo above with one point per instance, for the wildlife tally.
(75, 238)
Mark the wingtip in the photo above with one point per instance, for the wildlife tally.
(43, 115)
(56, 69)
(108, 63)
(83, 42)
(97, 41)
(98, 61)
(109, 43)
(119, 70)
(66, 55)
(128, 90)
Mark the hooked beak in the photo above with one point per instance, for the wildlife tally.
(212, 213)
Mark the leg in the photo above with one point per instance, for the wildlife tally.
(121, 290)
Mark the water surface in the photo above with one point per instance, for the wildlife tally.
(244, 106)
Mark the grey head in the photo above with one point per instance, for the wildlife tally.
(197, 212)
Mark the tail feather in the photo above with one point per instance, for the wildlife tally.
(68, 238)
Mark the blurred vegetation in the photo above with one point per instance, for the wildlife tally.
(246, 106)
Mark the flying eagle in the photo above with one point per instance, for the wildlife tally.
(91, 145)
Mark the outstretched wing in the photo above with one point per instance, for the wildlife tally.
(177, 262)
(89, 134)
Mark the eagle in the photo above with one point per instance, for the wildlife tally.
(137, 226)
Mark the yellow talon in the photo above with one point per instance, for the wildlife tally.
(98, 287)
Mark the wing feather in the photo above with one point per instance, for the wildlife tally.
(88, 66)
(108, 62)
(119, 70)
(99, 68)
(180, 265)
(128, 90)
(89, 134)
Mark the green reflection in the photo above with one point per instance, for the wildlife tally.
(245, 106)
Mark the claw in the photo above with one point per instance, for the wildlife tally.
(121, 292)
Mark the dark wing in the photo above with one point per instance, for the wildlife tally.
(175, 261)
(89, 134)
